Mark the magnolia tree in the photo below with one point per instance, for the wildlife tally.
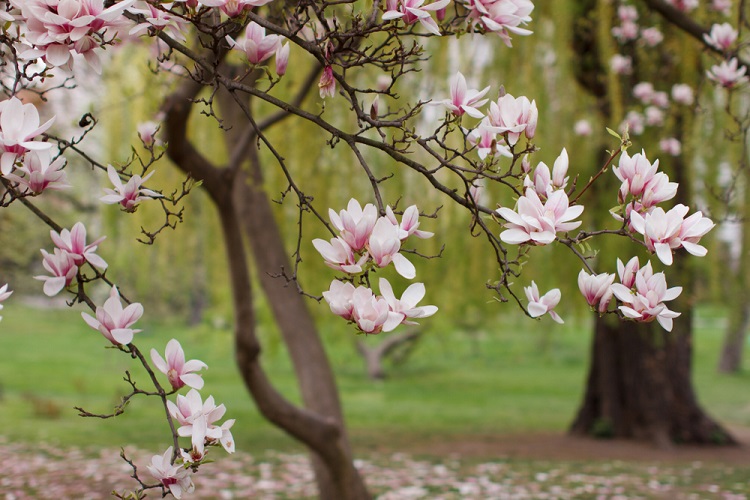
(226, 58)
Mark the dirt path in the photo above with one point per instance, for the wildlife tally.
(559, 446)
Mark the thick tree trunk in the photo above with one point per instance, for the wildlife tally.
(639, 386)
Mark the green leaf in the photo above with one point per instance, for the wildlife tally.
(614, 134)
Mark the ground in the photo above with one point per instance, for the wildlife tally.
(486, 467)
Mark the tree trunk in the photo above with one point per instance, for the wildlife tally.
(375, 355)
(244, 208)
(639, 386)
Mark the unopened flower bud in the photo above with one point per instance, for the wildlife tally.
(374, 107)
(282, 59)
(526, 164)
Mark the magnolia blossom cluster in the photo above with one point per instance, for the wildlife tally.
(197, 420)
(502, 17)
(25, 160)
(367, 241)
(258, 47)
(501, 126)
(656, 104)
(57, 29)
(628, 30)
(70, 253)
(641, 292)
(544, 210)
(728, 74)
(642, 188)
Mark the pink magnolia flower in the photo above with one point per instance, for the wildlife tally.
(156, 21)
(652, 36)
(74, 242)
(477, 192)
(654, 116)
(411, 11)
(234, 8)
(514, 116)
(596, 289)
(583, 128)
(502, 17)
(58, 28)
(627, 31)
(19, 126)
(4, 294)
(282, 59)
(130, 194)
(464, 100)
(409, 223)
(384, 245)
(722, 36)
(147, 133)
(355, 223)
(179, 372)
(671, 146)
(634, 122)
(627, 13)
(627, 272)
(536, 222)
(728, 74)
(684, 5)
(661, 99)
(622, 65)
(327, 83)
(372, 314)
(485, 139)
(113, 321)
(658, 190)
(339, 298)
(40, 173)
(545, 183)
(645, 301)
(635, 172)
(63, 269)
(722, 6)
(682, 93)
(197, 421)
(644, 92)
(256, 45)
(406, 306)
(662, 231)
(176, 478)
(692, 230)
(339, 255)
(539, 306)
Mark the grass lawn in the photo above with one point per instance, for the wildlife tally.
(520, 376)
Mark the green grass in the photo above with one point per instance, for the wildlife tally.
(514, 375)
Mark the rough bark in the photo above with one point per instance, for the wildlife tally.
(243, 207)
(639, 386)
